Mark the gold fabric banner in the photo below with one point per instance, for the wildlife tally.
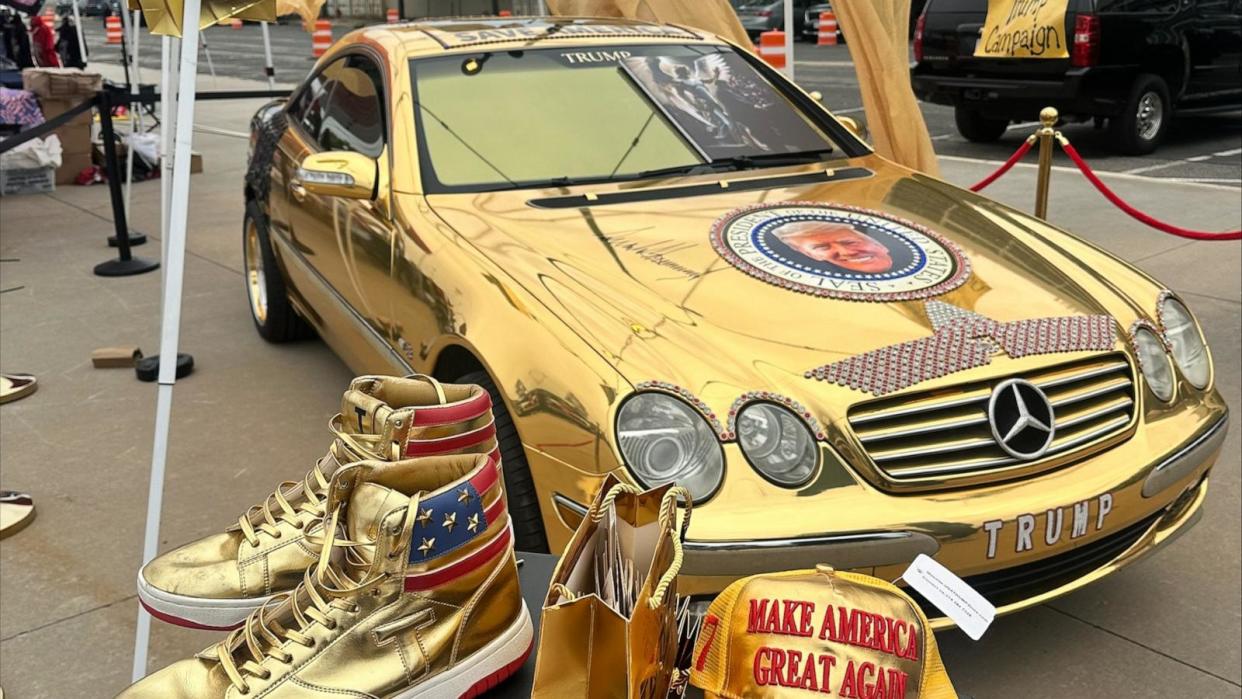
(1024, 29)
(165, 16)
(880, 51)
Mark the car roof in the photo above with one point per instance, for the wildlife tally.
(442, 36)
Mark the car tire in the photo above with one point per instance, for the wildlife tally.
(523, 500)
(273, 315)
(975, 127)
(1145, 117)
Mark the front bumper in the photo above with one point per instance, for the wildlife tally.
(1108, 514)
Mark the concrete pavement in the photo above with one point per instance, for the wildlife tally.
(253, 414)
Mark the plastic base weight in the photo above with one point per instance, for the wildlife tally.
(148, 368)
(126, 268)
(135, 238)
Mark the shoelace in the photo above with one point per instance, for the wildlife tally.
(325, 586)
(277, 508)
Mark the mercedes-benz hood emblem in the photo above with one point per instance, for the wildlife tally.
(1021, 419)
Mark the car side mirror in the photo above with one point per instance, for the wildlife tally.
(339, 174)
(851, 124)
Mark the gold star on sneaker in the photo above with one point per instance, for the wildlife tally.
(472, 522)
(450, 521)
(424, 517)
(427, 546)
(463, 495)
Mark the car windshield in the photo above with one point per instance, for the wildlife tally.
(563, 116)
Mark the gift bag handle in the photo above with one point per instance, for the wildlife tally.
(668, 515)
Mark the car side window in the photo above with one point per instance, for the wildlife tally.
(307, 109)
(353, 113)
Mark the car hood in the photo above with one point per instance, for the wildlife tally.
(643, 284)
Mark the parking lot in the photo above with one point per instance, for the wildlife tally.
(1200, 148)
(1168, 626)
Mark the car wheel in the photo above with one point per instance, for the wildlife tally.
(273, 315)
(977, 128)
(523, 501)
(1145, 117)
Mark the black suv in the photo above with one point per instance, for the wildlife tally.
(1132, 63)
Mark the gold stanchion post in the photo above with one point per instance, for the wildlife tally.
(1047, 118)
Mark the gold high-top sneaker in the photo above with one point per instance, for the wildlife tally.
(217, 581)
(418, 599)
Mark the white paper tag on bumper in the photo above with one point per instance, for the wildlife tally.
(968, 609)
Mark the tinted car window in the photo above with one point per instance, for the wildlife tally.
(307, 109)
(353, 115)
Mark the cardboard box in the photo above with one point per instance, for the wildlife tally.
(75, 139)
(27, 180)
(71, 165)
(55, 106)
(61, 82)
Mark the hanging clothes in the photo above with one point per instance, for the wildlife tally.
(67, 44)
(43, 43)
(14, 41)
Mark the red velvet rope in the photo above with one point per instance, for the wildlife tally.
(1013, 159)
(1135, 213)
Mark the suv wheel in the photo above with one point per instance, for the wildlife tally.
(523, 501)
(975, 127)
(270, 309)
(1145, 117)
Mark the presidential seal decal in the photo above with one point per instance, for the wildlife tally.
(839, 251)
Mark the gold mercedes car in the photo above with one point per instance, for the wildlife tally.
(665, 259)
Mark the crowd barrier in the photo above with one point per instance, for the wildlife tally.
(126, 263)
(1044, 136)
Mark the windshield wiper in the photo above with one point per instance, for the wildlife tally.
(746, 162)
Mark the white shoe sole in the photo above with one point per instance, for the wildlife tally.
(484, 669)
(196, 612)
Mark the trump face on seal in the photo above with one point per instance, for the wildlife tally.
(839, 244)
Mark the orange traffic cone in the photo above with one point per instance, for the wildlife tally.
(322, 38)
(827, 29)
(112, 27)
(772, 48)
(392, 15)
(506, 13)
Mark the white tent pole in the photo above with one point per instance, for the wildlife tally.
(170, 48)
(129, 150)
(267, 55)
(77, 24)
(170, 325)
(790, 28)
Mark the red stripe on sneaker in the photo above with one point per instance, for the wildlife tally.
(457, 412)
(487, 477)
(494, 511)
(185, 623)
(430, 447)
(423, 581)
(499, 675)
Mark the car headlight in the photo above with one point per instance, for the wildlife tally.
(1154, 363)
(1186, 340)
(664, 440)
(778, 444)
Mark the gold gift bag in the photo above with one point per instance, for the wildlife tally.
(594, 643)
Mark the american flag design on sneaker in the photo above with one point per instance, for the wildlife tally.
(464, 426)
(467, 518)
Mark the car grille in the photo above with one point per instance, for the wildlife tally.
(1003, 587)
(938, 438)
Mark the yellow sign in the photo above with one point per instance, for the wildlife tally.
(1024, 29)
